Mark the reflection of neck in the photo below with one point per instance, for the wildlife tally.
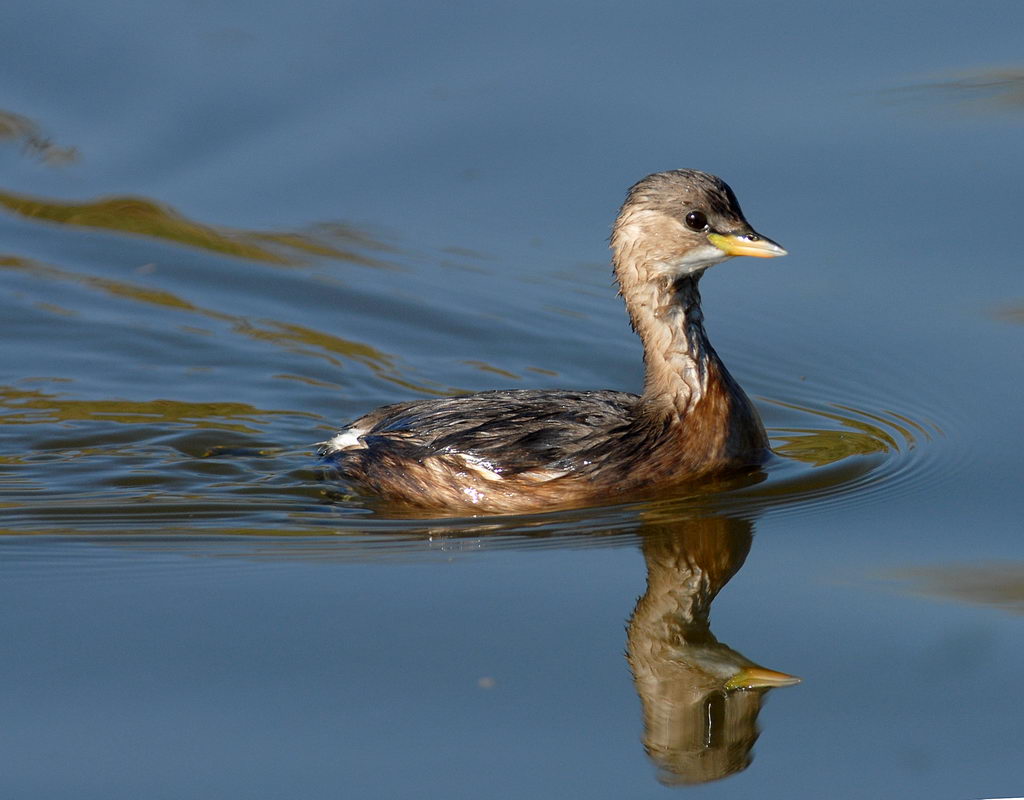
(686, 568)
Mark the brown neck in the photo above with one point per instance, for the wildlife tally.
(679, 360)
(713, 422)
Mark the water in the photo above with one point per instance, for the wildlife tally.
(229, 229)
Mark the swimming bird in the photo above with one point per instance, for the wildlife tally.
(528, 450)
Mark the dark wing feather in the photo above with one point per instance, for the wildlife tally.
(512, 431)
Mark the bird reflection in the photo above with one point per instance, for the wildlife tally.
(700, 698)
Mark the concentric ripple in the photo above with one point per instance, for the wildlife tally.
(836, 453)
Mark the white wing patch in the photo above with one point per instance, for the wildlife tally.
(349, 439)
(482, 468)
(485, 469)
(543, 475)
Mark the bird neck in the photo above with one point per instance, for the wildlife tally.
(680, 363)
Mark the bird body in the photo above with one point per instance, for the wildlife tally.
(525, 450)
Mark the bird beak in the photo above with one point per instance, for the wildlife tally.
(759, 677)
(746, 244)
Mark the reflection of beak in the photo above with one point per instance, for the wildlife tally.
(759, 677)
(746, 244)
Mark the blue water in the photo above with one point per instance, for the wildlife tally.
(227, 229)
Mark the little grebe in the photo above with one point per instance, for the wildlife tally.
(522, 450)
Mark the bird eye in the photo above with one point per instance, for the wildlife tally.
(696, 221)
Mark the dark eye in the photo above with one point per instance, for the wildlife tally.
(696, 221)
